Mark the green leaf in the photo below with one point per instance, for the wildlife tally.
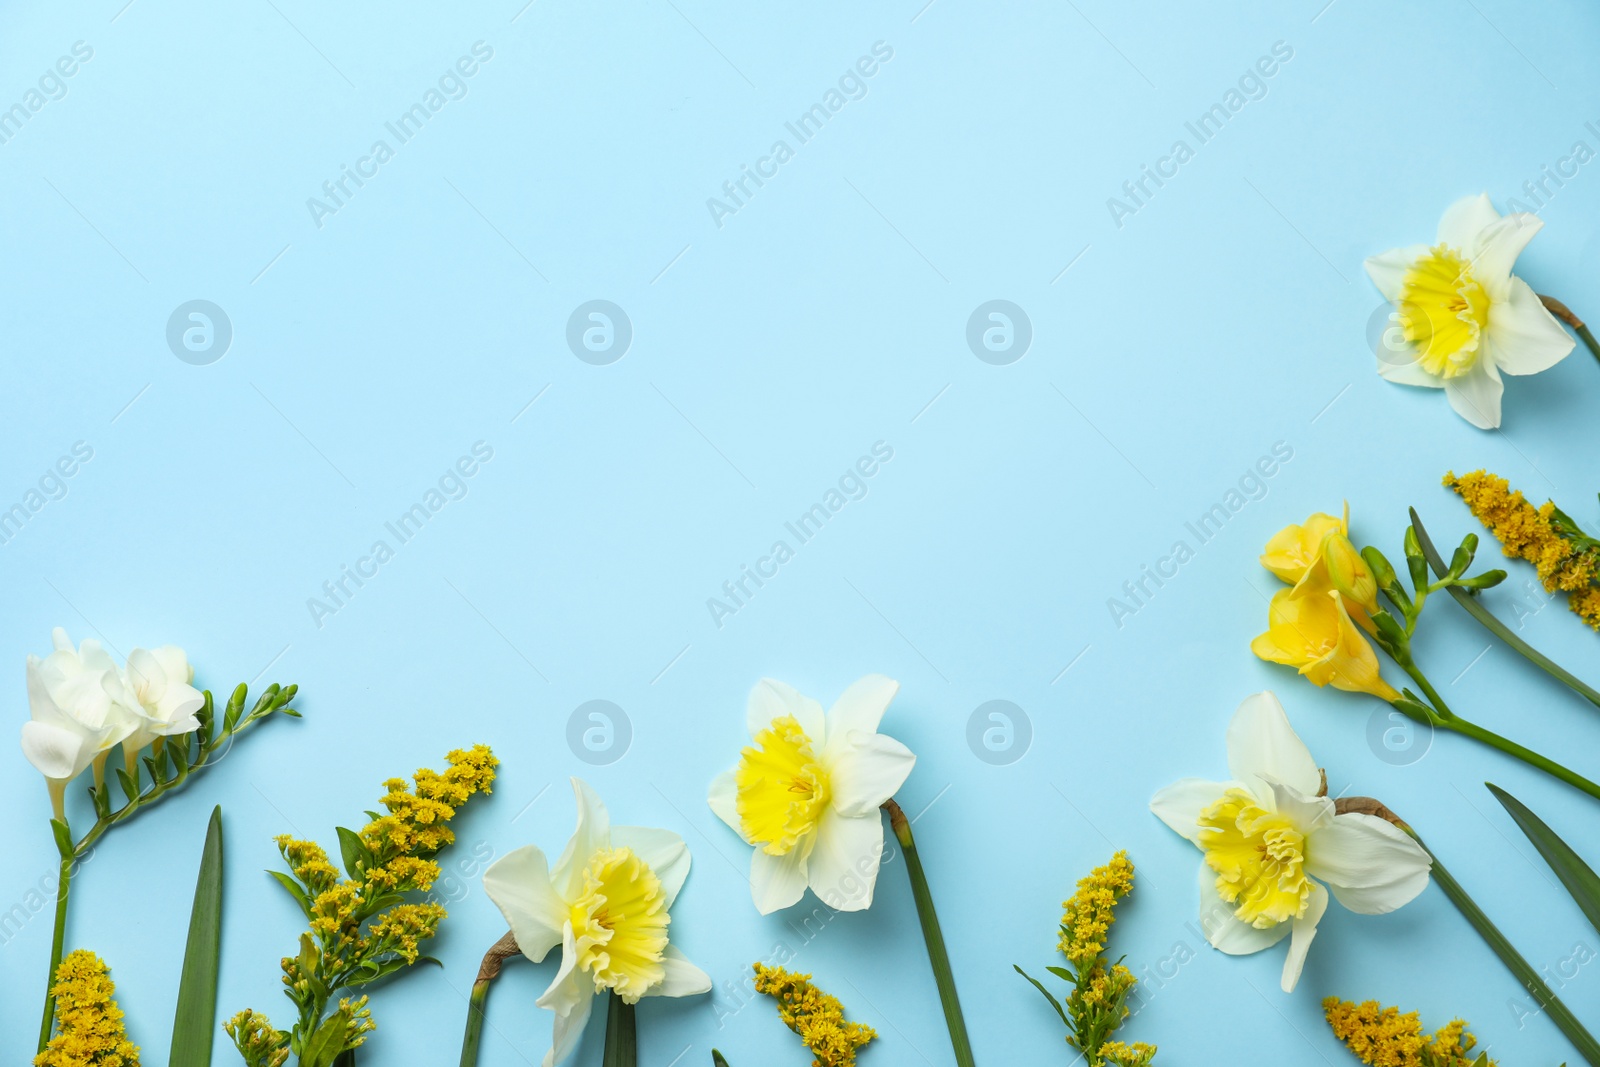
(1576, 875)
(326, 1044)
(717, 1060)
(1054, 1003)
(130, 788)
(622, 1035)
(196, 1023)
(295, 891)
(356, 855)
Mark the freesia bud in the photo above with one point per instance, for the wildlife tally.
(1349, 573)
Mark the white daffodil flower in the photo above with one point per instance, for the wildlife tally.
(807, 793)
(75, 699)
(158, 690)
(1464, 316)
(607, 904)
(1268, 837)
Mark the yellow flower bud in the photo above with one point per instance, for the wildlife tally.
(1313, 632)
(1348, 572)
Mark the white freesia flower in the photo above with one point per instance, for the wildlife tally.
(158, 690)
(1464, 315)
(1268, 837)
(607, 904)
(75, 699)
(807, 793)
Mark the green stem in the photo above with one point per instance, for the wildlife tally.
(622, 1035)
(1474, 607)
(57, 945)
(488, 971)
(1588, 339)
(1449, 720)
(938, 957)
(1565, 1021)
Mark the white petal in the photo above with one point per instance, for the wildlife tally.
(843, 868)
(724, 800)
(1408, 374)
(175, 662)
(866, 771)
(1310, 813)
(519, 885)
(1464, 220)
(1305, 928)
(683, 979)
(777, 882)
(1498, 249)
(178, 706)
(1225, 932)
(1263, 748)
(1179, 805)
(593, 833)
(1388, 269)
(772, 699)
(148, 676)
(663, 850)
(1475, 395)
(55, 751)
(860, 707)
(571, 996)
(1524, 337)
(1372, 866)
(60, 641)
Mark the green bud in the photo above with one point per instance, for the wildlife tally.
(1486, 580)
(1414, 559)
(1463, 556)
(1381, 569)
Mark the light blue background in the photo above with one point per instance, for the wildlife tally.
(828, 314)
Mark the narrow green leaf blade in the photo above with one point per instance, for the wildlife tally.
(195, 1026)
(717, 1060)
(1576, 875)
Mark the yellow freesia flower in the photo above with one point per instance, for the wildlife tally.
(1295, 549)
(1311, 629)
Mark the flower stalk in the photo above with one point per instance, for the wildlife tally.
(622, 1034)
(488, 971)
(1565, 314)
(938, 957)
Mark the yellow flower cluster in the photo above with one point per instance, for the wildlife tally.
(1385, 1037)
(1118, 1054)
(816, 1016)
(402, 927)
(416, 821)
(1086, 919)
(1526, 532)
(89, 1031)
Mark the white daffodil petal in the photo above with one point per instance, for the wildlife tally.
(1388, 269)
(777, 882)
(1475, 395)
(1179, 805)
(843, 868)
(1263, 748)
(571, 996)
(1309, 813)
(772, 699)
(1305, 928)
(1226, 933)
(592, 834)
(867, 771)
(860, 707)
(1411, 373)
(1464, 220)
(664, 852)
(55, 751)
(1524, 337)
(724, 800)
(683, 979)
(1371, 865)
(519, 884)
(1497, 250)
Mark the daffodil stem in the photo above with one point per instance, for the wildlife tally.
(938, 957)
(1474, 607)
(58, 942)
(1566, 315)
(622, 1035)
(488, 971)
(1526, 755)
(1565, 1021)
